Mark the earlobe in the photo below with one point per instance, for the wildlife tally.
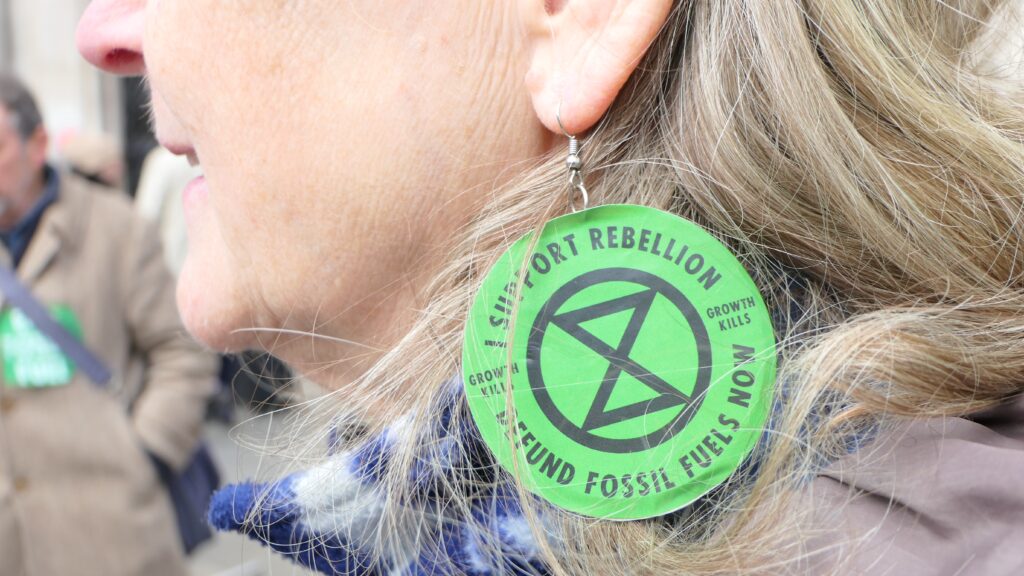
(583, 54)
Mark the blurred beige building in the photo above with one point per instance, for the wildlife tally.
(37, 42)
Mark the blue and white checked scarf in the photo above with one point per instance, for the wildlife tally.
(330, 518)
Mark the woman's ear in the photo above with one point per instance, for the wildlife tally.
(583, 51)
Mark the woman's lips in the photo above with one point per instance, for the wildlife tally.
(195, 193)
(179, 149)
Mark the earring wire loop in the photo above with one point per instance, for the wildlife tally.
(574, 164)
(558, 117)
(576, 185)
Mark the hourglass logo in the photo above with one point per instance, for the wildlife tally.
(621, 350)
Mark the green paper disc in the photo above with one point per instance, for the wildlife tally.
(639, 366)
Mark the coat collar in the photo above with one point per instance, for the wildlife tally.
(59, 226)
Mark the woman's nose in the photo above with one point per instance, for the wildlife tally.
(110, 35)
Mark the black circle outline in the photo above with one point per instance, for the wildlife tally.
(539, 387)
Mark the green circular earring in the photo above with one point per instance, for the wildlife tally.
(620, 361)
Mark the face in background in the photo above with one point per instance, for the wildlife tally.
(21, 169)
(342, 145)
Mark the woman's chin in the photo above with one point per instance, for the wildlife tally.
(211, 310)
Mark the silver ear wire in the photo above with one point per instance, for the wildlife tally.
(574, 164)
(558, 116)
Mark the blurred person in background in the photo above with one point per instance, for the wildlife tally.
(158, 197)
(80, 488)
(94, 157)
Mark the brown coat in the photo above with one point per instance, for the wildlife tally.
(78, 493)
(934, 497)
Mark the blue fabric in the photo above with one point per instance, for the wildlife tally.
(273, 512)
(269, 513)
(18, 238)
(190, 491)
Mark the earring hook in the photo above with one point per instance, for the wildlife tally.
(558, 117)
(574, 164)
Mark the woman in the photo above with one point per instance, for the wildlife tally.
(864, 160)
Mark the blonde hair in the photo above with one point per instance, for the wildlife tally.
(870, 175)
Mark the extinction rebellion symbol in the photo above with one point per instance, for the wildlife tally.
(620, 363)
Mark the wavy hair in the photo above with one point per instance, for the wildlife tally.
(868, 169)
